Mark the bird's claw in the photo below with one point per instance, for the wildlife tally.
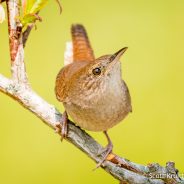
(62, 127)
(104, 153)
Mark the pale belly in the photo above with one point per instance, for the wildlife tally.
(100, 117)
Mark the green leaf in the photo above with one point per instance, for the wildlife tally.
(27, 5)
(30, 18)
(37, 6)
(30, 10)
(32, 6)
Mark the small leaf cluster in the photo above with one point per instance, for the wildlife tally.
(30, 10)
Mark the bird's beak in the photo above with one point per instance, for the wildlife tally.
(116, 56)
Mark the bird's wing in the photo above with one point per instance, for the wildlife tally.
(65, 77)
(128, 97)
(82, 50)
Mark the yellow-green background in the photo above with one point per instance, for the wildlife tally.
(153, 68)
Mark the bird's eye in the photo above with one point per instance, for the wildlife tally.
(96, 71)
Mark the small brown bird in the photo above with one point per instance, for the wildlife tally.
(92, 90)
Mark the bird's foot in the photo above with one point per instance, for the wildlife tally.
(62, 127)
(104, 154)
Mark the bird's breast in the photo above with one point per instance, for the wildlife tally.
(102, 112)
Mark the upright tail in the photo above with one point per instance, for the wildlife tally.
(82, 50)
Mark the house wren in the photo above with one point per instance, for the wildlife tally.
(92, 90)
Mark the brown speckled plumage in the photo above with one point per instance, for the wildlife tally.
(95, 103)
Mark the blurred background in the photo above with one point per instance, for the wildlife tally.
(153, 68)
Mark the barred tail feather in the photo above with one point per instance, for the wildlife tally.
(82, 50)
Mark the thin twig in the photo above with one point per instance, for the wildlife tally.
(26, 33)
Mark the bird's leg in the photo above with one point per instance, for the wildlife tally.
(62, 127)
(107, 150)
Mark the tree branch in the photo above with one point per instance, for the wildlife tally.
(15, 41)
(18, 88)
(118, 167)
